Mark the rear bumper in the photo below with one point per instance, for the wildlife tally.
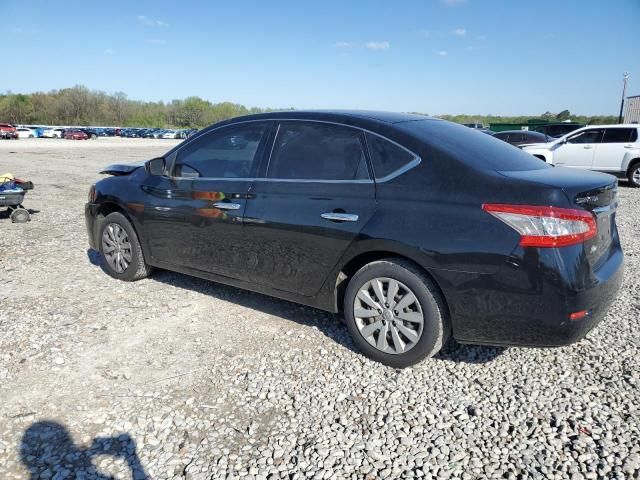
(529, 301)
(90, 213)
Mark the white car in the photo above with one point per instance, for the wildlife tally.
(53, 133)
(24, 132)
(613, 149)
(170, 134)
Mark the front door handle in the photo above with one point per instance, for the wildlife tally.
(227, 206)
(340, 217)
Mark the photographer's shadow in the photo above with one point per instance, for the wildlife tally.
(47, 449)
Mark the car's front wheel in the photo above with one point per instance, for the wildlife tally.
(120, 249)
(396, 313)
(634, 175)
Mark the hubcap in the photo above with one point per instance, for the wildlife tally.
(116, 247)
(388, 315)
(636, 176)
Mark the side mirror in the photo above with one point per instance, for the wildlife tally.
(155, 166)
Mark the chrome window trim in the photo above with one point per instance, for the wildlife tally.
(405, 168)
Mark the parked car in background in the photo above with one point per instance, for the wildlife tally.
(415, 228)
(8, 131)
(92, 133)
(170, 134)
(474, 125)
(613, 149)
(521, 137)
(557, 130)
(75, 134)
(56, 132)
(24, 132)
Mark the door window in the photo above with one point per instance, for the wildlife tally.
(617, 135)
(387, 157)
(586, 136)
(316, 151)
(516, 137)
(226, 153)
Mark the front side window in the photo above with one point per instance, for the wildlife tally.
(617, 135)
(386, 157)
(226, 153)
(316, 151)
(587, 136)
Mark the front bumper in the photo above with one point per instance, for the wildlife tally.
(528, 302)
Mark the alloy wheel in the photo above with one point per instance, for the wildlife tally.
(636, 176)
(388, 315)
(116, 247)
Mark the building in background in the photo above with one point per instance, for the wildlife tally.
(632, 111)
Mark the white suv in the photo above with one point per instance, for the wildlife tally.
(613, 149)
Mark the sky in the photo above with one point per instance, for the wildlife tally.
(429, 56)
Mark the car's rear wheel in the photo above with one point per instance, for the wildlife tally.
(395, 313)
(634, 175)
(120, 249)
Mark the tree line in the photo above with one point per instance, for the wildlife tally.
(80, 106)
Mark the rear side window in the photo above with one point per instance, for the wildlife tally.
(317, 151)
(618, 135)
(387, 157)
(516, 137)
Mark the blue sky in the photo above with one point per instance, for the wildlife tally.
(432, 56)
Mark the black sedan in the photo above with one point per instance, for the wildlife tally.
(522, 137)
(414, 228)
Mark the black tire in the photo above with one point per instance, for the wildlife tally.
(436, 325)
(634, 171)
(137, 267)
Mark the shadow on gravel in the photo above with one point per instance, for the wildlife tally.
(48, 451)
(328, 323)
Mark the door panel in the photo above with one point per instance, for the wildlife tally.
(578, 151)
(610, 153)
(187, 223)
(194, 217)
(292, 247)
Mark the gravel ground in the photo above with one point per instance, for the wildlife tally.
(175, 377)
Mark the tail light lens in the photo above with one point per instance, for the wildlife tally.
(546, 226)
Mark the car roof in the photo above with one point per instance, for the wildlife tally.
(619, 125)
(521, 131)
(337, 115)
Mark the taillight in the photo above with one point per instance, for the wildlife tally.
(546, 226)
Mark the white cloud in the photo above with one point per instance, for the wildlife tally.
(443, 53)
(461, 32)
(453, 3)
(152, 22)
(109, 51)
(157, 41)
(377, 45)
(343, 44)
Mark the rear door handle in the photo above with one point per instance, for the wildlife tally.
(628, 146)
(227, 206)
(340, 217)
(587, 147)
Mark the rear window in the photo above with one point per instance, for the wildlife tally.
(386, 157)
(474, 148)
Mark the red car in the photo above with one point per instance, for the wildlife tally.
(73, 134)
(8, 131)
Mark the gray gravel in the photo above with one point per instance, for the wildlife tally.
(174, 377)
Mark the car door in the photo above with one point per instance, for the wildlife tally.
(577, 150)
(616, 142)
(193, 217)
(314, 199)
